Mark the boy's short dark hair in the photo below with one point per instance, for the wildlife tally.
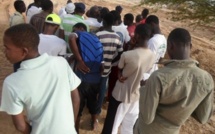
(18, 4)
(180, 37)
(116, 16)
(23, 35)
(103, 12)
(138, 18)
(145, 13)
(152, 19)
(144, 30)
(108, 19)
(47, 5)
(129, 17)
(80, 25)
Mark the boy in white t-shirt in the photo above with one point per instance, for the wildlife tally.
(49, 42)
(51, 99)
(157, 43)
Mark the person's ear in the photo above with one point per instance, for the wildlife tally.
(25, 52)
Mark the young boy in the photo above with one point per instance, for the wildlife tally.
(17, 17)
(112, 47)
(88, 52)
(48, 99)
(124, 104)
(49, 42)
(175, 92)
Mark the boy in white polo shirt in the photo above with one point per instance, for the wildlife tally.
(50, 98)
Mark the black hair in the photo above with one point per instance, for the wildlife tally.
(152, 19)
(144, 30)
(104, 11)
(129, 17)
(23, 35)
(116, 16)
(94, 12)
(108, 19)
(145, 13)
(47, 5)
(138, 18)
(18, 5)
(80, 25)
(180, 37)
(118, 9)
(69, 1)
(78, 9)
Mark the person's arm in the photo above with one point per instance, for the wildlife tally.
(75, 102)
(80, 63)
(21, 124)
(149, 99)
(205, 109)
(117, 57)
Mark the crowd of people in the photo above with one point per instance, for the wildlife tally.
(79, 57)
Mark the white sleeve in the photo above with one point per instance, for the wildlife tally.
(127, 37)
(74, 81)
(63, 48)
(121, 63)
(10, 101)
(152, 46)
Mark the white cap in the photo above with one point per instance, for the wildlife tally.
(70, 8)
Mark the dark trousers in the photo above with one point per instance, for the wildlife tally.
(109, 121)
(88, 94)
(113, 77)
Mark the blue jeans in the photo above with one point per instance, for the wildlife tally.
(102, 91)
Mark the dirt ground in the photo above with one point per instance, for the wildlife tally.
(203, 51)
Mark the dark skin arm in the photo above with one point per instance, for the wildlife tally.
(117, 57)
(75, 102)
(80, 63)
(120, 77)
(21, 124)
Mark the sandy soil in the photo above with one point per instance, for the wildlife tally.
(203, 51)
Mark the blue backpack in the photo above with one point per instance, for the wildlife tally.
(91, 50)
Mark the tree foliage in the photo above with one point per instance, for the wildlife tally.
(200, 11)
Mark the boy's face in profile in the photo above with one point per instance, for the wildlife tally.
(13, 53)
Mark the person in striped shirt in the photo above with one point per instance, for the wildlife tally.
(112, 49)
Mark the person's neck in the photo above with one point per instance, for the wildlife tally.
(157, 30)
(32, 55)
(48, 31)
(142, 44)
(181, 57)
(108, 28)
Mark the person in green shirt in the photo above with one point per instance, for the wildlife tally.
(175, 92)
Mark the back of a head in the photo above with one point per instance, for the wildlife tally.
(80, 25)
(144, 30)
(129, 17)
(104, 11)
(119, 9)
(152, 19)
(19, 5)
(47, 5)
(69, 1)
(94, 12)
(23, 35)
(108, 19)
(138, 18)
(116, 16)
(181, 37)
(145, 13)
(80, 8)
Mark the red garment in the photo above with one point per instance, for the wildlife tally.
(131, 30)
(143, 21)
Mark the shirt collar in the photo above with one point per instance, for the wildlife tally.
(33, 63)
(180, 63)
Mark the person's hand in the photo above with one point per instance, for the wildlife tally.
(82, 67)
(143, 82)
(122, 79)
